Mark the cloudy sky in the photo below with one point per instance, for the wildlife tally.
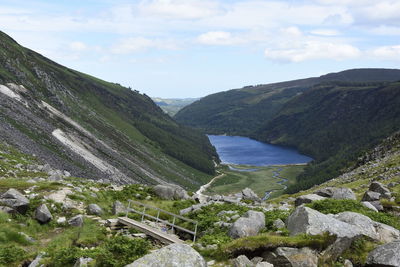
(191, 48)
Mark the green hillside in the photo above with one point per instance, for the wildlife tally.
(335, 122)
(122, 127)
(243, 111)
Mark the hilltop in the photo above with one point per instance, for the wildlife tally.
(92, 128)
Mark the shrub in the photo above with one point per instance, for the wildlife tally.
(10, 254)
(271, 216)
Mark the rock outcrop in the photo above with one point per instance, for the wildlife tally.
(387, 255)
(248, 194)
(285, 256)
(42, 214)
(249, 224)
(174, 255)
(94, 209)
(336, 193)
(307, 199)
(170, 192)
(12, 198)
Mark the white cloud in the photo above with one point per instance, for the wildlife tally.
(179, 9)
(77, 46)
(387, 52)
(386, 30)
(325, 32)
(218, 38)
(135, 44)
(312, 50)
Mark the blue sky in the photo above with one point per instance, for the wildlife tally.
(191, 48)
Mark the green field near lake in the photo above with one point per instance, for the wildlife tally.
(260, 179)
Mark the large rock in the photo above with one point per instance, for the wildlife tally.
(242, 261)
(371, 196)
(118, 208)
(294, 257)
(249, 225)
(174, 255)
(379, 188)
(249, 194)
(369, 205)
(307, 199)
(76, 221)
(309, 221)
(387, 255)
(42, 214)
(170, 192)
(94, 209)
(336, 193)
(15, 200)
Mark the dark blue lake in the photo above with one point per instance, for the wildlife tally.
(246, 151)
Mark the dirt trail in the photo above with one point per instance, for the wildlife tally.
(202, 197)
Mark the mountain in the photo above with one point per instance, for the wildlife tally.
(172, 105)
(333, 118)
(92, 128)
(335, 122)
(243, 111)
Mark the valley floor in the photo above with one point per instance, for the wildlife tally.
(272, 179)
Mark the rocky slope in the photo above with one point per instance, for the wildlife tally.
(49, 218)
(92, 128)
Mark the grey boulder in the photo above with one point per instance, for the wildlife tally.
(242, 261)
(174, 255)
(249, 224)
(387, 255)
(248, 194)
(369, 205)
(170, 192)
(371, 196)
(309, 221)
(76, 221)
(336, 193)
(379, 188)
(294, 257)
(307, 199)
(42, 214)
(15, 200)
(94, 209)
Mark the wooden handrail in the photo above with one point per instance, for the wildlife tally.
(173, 225)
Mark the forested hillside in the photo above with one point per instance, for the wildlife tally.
(94, 128)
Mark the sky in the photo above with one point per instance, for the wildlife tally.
(192, 48)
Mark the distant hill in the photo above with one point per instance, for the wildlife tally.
(243, 111)
(172, 105)
(93, 128)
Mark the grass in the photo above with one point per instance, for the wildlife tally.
(259, 181)
(268, 241)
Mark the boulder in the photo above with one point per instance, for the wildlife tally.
(7, 210)
(337, 248)
(36, 261)
(387, 255)
(170, 192)
(174, 255)
(248, 194)
(369, 205)
(309, 221)
(249, 224)
(336, 193)
(279, 224)
(347, 263)
(377, 204)
(83, 262)
(307, 199)
(294, 257)
(94, 209)
(42, 214)
(242, 261)
(118, 208)
(264, 264)
(371, 196)
(76, 221)
(375, 230)
(15, 200)
(379, 188)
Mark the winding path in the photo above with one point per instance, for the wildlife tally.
(202, 197)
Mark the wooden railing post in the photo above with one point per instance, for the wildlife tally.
(129, 206)
(173, 223)
(195, 233)
(158, 215)
(143, 213)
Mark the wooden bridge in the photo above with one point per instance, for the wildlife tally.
(154, 232)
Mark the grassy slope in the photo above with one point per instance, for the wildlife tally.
(259, 181)
(113, 113)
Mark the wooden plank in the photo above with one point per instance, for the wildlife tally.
(148, 230)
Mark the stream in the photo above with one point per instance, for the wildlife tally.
(276, 174)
